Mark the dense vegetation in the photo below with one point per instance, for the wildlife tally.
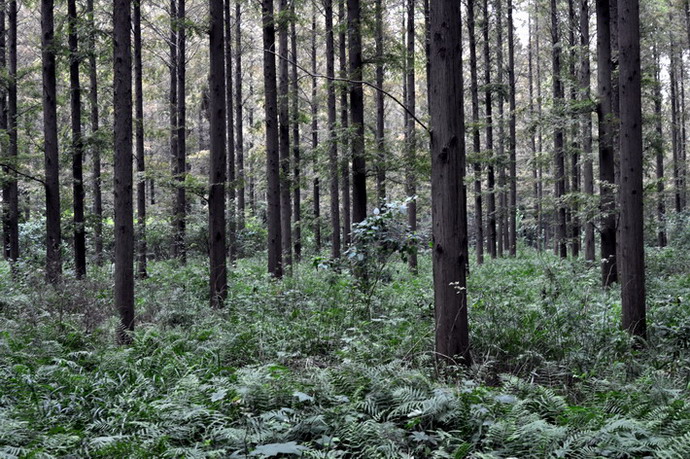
(315, 364)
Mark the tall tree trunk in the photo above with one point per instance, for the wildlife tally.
(512, 142)
(284, 133)
(296, 153)
(344, 127)
(659, 149)
(501, 133)
(230, 132)
(315, 138)
(491, 236)
(533, 125)
(585, 92)
(675, 135)
(448, 168)
(631, 213)
(359, 172)
(275, 258)
(542, 230)
(239, 109)
(683, 137)
(173, 122)
(50, 131)
(559, 154)
(218, 128)
(95, 141)
(332, 134)
(124, 223)
(181, 171)
(252, 164)
(139, 140)
(411, 133)
(11, 198)
(476, 140)
(609, 270)
(380, 109)
(574, 145)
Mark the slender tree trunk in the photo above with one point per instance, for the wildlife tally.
(491, 241)
(659, 149)
(95, 141)
(359, 175)
(315, 138)
(512, 142)
(3, 128)
(411, 133)
(275, 259)
(609, 271)
(332, 134)
(542, 229)
(173, 122)
(476, 141)
(559, 155)
(380, 109)
(139, 140)
(631, 214)
(218, 129)
(585, 91)
(124, 223)
(344, 127)
(50, 131)
(284, 133)
(501, 133)
(533, 126)
(239, 109)
(229, 132)
(574, 146)
(12, 196)
(675, 136)
(448, 167)
(252, 164)
(682, 132)
(296, 153)
(181, 172)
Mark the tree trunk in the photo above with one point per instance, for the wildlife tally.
(332, 134)
(675, 136)
(609, 271)
(574, 146)
(559, 155)
(448, 167)
(173, 122)
(476, 141)
(139, 141)
(411, 134)
(344, 127)
(631, 211)
(284, 132)
(50, 131)
(315, 138)
(380, 109)
(124, 223)
(491, 236)
(501, 214)
(296, 153)
(181, 171)
(585, 77)
(659, 149)
(218, 128)
(275, 259)
(11, 198)
(359, 172)
(229, 131)
(541, 226)
(239, 108)
(512, 142)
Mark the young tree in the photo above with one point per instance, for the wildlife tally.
(476, 141)
(359, 176)
(217, 170)
(332, 134)
(122, 186)
(50, 132)
(631, 211)
(411, 133)
(139, 141)
(448, 168)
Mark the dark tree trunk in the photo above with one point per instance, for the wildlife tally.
(675, 134)
(491, 236)
(559, 154)
(50, 131)
(284, 130)
(501, 214)
(3, 128)
(574, 146)
(315, 139)
(95, 142)
(181, 170)
(659, 149)
(218, 128)
(344, 127)
(359, 172)
(380, 109)
(173, 121)
(229, 127)
(411, 133)
(332, 134)
(533, 126)
(239, 109)
(631, 211)
(11, 191)
(139, 141)
(448, 167)
(476, 141)
(585, 77)
(124, 223)
(512, 142)
(275, 259)
(541, 226)
(296, 153)
(609, 271)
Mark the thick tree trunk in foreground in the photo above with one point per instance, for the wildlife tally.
(448, 170)
(124, 223)
(332, 135)
(359, 176)
(139, 141)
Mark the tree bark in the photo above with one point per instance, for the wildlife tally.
(491, 236)
(500, 157)
(380, 109)
(275, 259)
(296, 153)
(659, 150)
(675, 135)
(124, 223)
(332, 134)
(558, 142)
(344, 127)
(411, 134)
(512, 142)
(139, 141)
(218, 129)
(574, 145)
(239, 109)
(315, 139)
(173, 122)
(631, 211)
(476, 140)
(448, 167)
(585, 91)
(11, 197)
(284, 133)
(181, 170)
(50, 131)
(231, 238)
(359, 173)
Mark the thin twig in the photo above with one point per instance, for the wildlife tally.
(30, 177)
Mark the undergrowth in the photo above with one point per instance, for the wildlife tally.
(313, 366)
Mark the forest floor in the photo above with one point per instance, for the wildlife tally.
(317, 366)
